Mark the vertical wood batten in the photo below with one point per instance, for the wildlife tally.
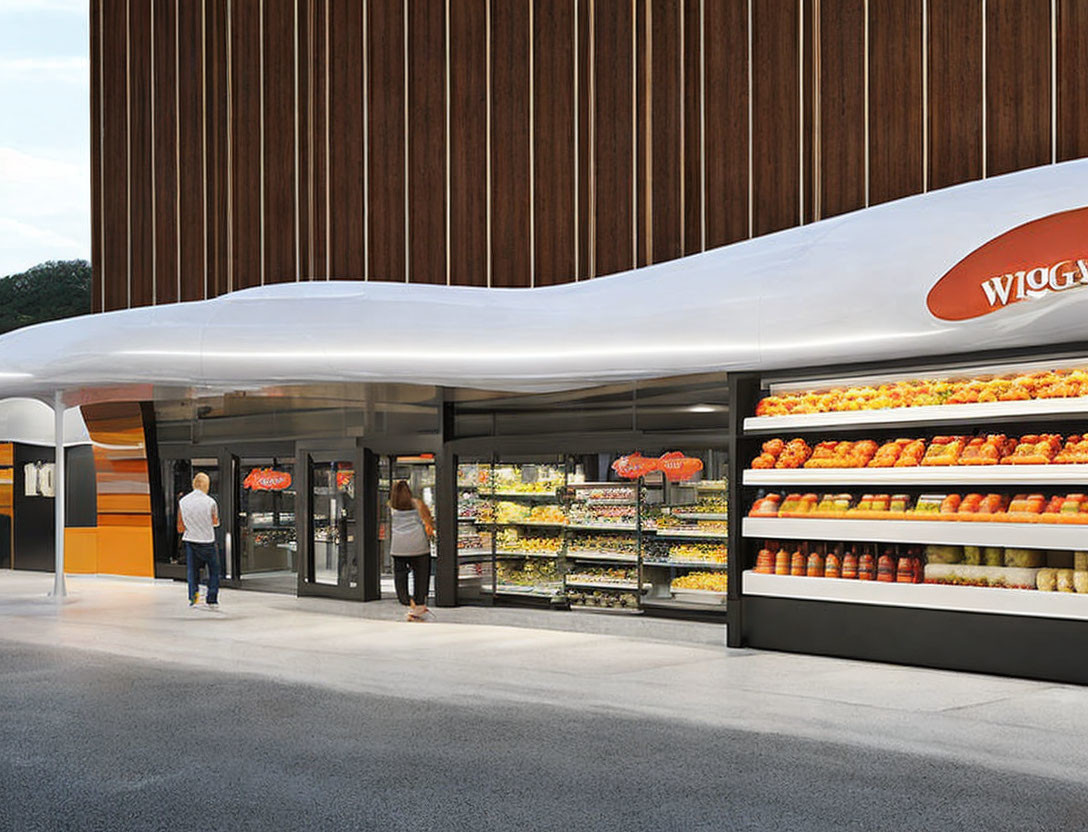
(1072, 104)
(1017, 85)
(427, 142)
(191, 147)
(895, 100)
(140, 185)
(245, 142)
(666, 134)
(278, 111)
(553, 136)
(468, 142)
(166, 153)
(510, 198)
(726, 24)
(954, 72)
(692, 93)
(216, 136)
(385, 140)
(775, 115)
(613, 209)
(348, 214)
(115, 237)
(95, 67)
(842, 106)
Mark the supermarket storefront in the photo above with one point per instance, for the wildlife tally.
(890, 404)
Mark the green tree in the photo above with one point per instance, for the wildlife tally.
(46, 292)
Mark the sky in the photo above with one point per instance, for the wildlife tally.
(44, 133)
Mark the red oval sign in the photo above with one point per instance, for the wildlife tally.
(1028, 262)
(267, 479)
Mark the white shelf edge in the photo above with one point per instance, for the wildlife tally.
(945, 533)
(930, 475)
(1024, 602)
(617, 558)
(906, 415)
(689, 534)
(686, 564)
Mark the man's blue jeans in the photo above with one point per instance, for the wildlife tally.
(202, 554)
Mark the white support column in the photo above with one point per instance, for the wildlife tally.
(60, 491)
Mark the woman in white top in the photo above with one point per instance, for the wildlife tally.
(411, 531)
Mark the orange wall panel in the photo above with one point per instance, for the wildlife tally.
(81, 551)
(125, 551)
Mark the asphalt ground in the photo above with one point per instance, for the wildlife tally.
(90, 741)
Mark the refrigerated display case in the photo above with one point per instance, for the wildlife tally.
(929, 516)
(537, 531)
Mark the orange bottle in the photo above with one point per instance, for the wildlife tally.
(833, 564)
(815, 566)
(798, 563)
(850, 564)
(765, 562)
(782, 562)
(866, 566)
(885, 568)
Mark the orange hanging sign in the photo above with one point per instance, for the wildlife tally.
(267, 479)
(343, 478)
(674, 465)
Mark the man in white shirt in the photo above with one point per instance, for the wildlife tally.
(198, 515)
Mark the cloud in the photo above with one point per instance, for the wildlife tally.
(68, 70)
(44, 209)
(68, 6)
(34, 185)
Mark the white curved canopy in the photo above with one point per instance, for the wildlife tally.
(845, 289)
(31, 422)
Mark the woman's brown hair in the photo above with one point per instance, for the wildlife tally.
(400, 497)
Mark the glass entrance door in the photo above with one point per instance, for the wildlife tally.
(267, 539)
(332, 552)
(177, 481)
(419, 473)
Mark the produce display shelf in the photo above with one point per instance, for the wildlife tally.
(949, 533)
(536, 495)
(1027, 602)
(1039, 475)
(590, 501)
(689, 533)
(716, 606)
(614, 610)
(628, 587)
(700, 596)
(523, 523)
(524, 591)
(615, 557)
(701, 515)
(701, 564)
(549, 555)
(979, 413)
(601, 527)
(473, 553)
(604, 484)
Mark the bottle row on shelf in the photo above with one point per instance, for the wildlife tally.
(1057, 509)
(940, 451)
(989, 567)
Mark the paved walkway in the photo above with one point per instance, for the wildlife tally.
(584, 662)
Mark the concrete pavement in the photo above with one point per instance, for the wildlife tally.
(777, 739)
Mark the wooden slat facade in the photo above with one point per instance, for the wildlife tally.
(534, 142)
